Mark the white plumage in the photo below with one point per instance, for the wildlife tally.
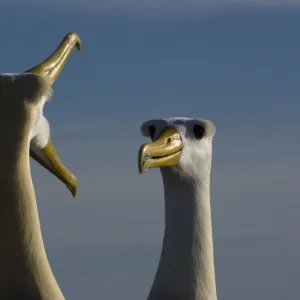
(25, 273)
(182, 147)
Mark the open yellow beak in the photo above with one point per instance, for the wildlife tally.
(53, 65)
(164, 152)
(50, 70)
(48, 158)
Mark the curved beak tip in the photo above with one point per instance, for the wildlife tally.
(72, 185)
(141, 168)
(141, 159)
(74, 192)
(79, 47)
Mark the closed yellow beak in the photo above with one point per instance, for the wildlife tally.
(164, 152)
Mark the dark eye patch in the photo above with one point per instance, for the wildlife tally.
(151, 130)
(198, 131)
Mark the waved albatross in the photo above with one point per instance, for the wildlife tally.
(25, 273)
(182, 148)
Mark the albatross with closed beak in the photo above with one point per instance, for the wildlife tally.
(182, 148)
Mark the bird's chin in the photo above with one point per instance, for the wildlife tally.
(173, 170)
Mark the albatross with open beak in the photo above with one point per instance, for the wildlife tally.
(25, 272)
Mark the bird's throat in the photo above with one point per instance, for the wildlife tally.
(25, 271)
(186, 266)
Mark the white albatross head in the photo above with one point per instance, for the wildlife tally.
(183, 144)
(182, 148)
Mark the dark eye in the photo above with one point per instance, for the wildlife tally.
(151, 130)
(198, 131)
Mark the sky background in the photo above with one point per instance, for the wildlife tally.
(233, 63)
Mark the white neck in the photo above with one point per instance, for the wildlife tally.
(186, 267)
(25, 272)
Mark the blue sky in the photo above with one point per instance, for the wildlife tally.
(233, 63)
